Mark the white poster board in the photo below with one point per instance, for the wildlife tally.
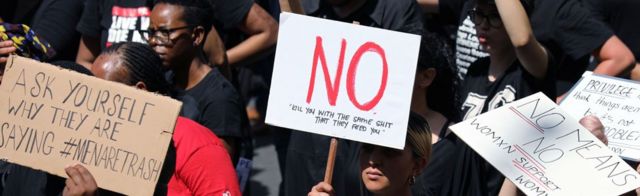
(545, 151)
(616, 102)
(343, 80)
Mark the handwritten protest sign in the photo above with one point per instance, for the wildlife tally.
(616, 102)
(50, 118)
(545, 151)
(343, 80)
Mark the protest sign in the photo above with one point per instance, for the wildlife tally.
(343, 80)
(616, 102)
(545, 151)
(51, 117)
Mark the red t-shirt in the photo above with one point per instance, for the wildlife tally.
(203, 166)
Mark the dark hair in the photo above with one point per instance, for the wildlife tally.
(527, 4)
(142, 63)
(436, 53)
(70, 65)
(195, 12)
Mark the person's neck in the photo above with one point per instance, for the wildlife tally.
(186, 77)
(420, 105)
(500, 62)
(347, 9)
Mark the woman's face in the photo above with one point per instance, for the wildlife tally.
(385, 170)
(491, 33)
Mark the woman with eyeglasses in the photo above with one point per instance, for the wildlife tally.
(177, 32)
(387, 171)
(517, 66)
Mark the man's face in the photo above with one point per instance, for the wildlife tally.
(170, 35)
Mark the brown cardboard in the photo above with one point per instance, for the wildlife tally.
(127, 160)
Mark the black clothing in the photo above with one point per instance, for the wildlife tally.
(621, 16)
(307, 153)
(221, 110)
(564, 27)
(439, 171)
(479, 95)
(55, 21)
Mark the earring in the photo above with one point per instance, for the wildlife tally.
(412, 180)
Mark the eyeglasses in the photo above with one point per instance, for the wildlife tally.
(478, 18)
(162, 36)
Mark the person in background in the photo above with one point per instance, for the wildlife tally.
(176, 33)
(307, 153)
(387, 171)
(568, 30)
(105, 22)
(517, 66)
(201, 164)
(434, 99)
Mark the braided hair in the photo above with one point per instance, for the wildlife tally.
(142, 63)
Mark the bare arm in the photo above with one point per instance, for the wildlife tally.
(529, 51)
(263, 31)
(429, 6)
(88, 50)
(615, 58)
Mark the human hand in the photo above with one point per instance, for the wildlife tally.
(6, 48)
(594, 126)
(80, 182)
(322, 189)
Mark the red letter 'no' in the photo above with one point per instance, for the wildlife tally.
(334, 88)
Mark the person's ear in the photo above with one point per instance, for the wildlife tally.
(418, 165)
(425, 77)
(141, 85)
(198, 36)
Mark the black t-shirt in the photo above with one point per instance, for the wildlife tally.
(564, 27)
(479, 95)
(116, 21)
(621, 16)
(220, 109)
(437, 175)
(307, 153)
(55, 21)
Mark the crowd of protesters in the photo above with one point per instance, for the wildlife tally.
(216, 57)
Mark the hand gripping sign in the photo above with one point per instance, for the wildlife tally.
(616, 102)
(343, 80)
(51, 117)
(545, 151)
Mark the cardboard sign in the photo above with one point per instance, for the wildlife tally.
(343, 80)
(51, 117)
(616, 102)
(545, 151)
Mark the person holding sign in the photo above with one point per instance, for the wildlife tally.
(387, 171)
(307, 152)
(517, 66)
(202, 165)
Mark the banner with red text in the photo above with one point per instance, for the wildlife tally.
(545, 151)
(343, 80)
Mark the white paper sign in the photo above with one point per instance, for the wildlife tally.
(545, 151)
(616, 102)
(343, 80)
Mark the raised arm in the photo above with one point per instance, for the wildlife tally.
(263, 31)
(530, 52)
